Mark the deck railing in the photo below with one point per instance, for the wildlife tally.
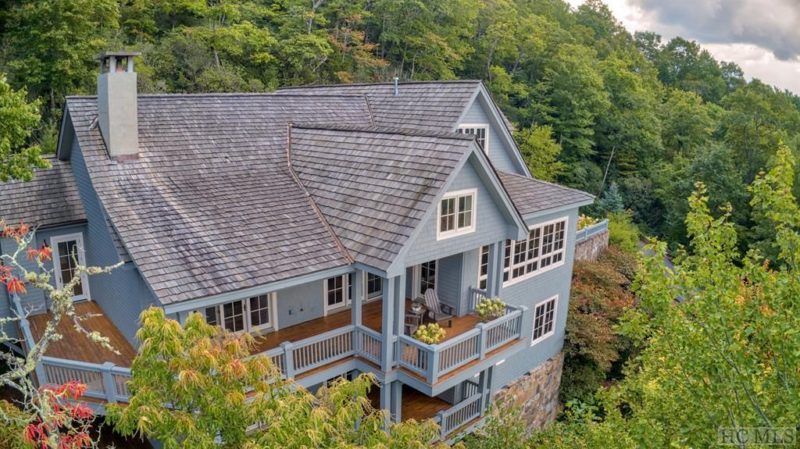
(589, 231)
(433, 361)
(460, 415)
(106, 381)
(295, 358)
(476, 295)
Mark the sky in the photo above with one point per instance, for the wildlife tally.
(761, 36)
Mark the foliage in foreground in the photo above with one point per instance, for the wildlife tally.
(194, 387)
(719, 337)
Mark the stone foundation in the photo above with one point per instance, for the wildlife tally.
(590, 248)
(536, 393)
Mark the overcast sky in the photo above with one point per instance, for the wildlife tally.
(762, 36)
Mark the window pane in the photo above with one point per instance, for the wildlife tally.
(211, 316)
(259, 310)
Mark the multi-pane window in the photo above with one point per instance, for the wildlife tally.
(457, 213)
(543, 249)
(374, 286)
(259, 311)
(335, 292)
(427, 276)
(483, 268)
(67, 255)
(544, 320)
(481, 133)
(242, 315)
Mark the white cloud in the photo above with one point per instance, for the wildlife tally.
(762, 36)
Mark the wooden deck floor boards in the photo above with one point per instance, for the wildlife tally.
(76, 346)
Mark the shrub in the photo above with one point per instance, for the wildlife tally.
(12, 430)
(490, 308)
(584, 221)
(430, 334)
(622, 232)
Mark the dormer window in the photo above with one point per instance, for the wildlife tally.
(456, 214)
(481, 133)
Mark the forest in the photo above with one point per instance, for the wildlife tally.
(630, 118)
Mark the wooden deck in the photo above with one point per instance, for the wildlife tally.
(415, 405)
(76, 346)
(371, 316)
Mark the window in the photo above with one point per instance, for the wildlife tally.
(544, 319)
(427, 276)
(259, 311)
(481, 133)
(457, 213)
(541, 251)
(243, 315)
(68, 253)
(374, 286)
(483, 268)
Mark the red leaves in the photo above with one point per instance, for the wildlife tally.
(17, 232)
(69, 421)
(42, 254)
(15, 286)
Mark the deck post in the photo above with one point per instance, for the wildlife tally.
(493, 271)
(387, 326)
(433, 369)
(481, 341)
(400, 304)
(397, 401)
(288, 349)
(357, 303)
(109, 386)
(386, 402)
(482, 389)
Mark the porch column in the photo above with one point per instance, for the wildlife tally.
(387, 326)
(386, 401)
(400, 304)
(358, 296)
(397, 401)
(494, 281)
(482, 389)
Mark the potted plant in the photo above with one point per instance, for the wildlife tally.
(490, 308)
(430, 334)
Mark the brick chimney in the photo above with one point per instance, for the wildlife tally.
(116, 104)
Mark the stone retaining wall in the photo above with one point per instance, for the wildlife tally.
(591, 247)
(536, 393)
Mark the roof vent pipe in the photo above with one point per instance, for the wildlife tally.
(396, 86)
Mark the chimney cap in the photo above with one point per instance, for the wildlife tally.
(118, 54)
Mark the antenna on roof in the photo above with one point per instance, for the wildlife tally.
(396, 86)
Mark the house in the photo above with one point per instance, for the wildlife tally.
(311, 217)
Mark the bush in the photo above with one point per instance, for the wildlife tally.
(490, 308)
(430, 334)
(12, 426)
(584, 221)
(622, 232)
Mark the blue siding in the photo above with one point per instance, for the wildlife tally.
(123, 293)
(298, 304)
(500, 153)
(491, 224)
(449, 281)
(531, 292)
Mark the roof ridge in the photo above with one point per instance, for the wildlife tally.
(339, 245)
(223, 94)
(381, 83)
(384, 130)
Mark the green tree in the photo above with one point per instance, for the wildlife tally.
(18, 118)
(195, 386)
(687, 122)
(540, 152)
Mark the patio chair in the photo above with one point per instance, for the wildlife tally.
(438, 311)
(412, 322)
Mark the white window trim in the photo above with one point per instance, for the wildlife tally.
(480, 263)
(346, 293)
(538, 271)
(416, 279)
(442, 235)
(248, 325)
(485, 127)
(542, 304)
(54, 241)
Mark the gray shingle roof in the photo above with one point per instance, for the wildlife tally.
(374, 186)
(51, 198)
(532, 195)
(210, 205)
(426, 106)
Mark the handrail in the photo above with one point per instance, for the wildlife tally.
(476, 295)
(103, 381)
(27, 335)
(433, 361)
(592, 230)
(460, 414)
